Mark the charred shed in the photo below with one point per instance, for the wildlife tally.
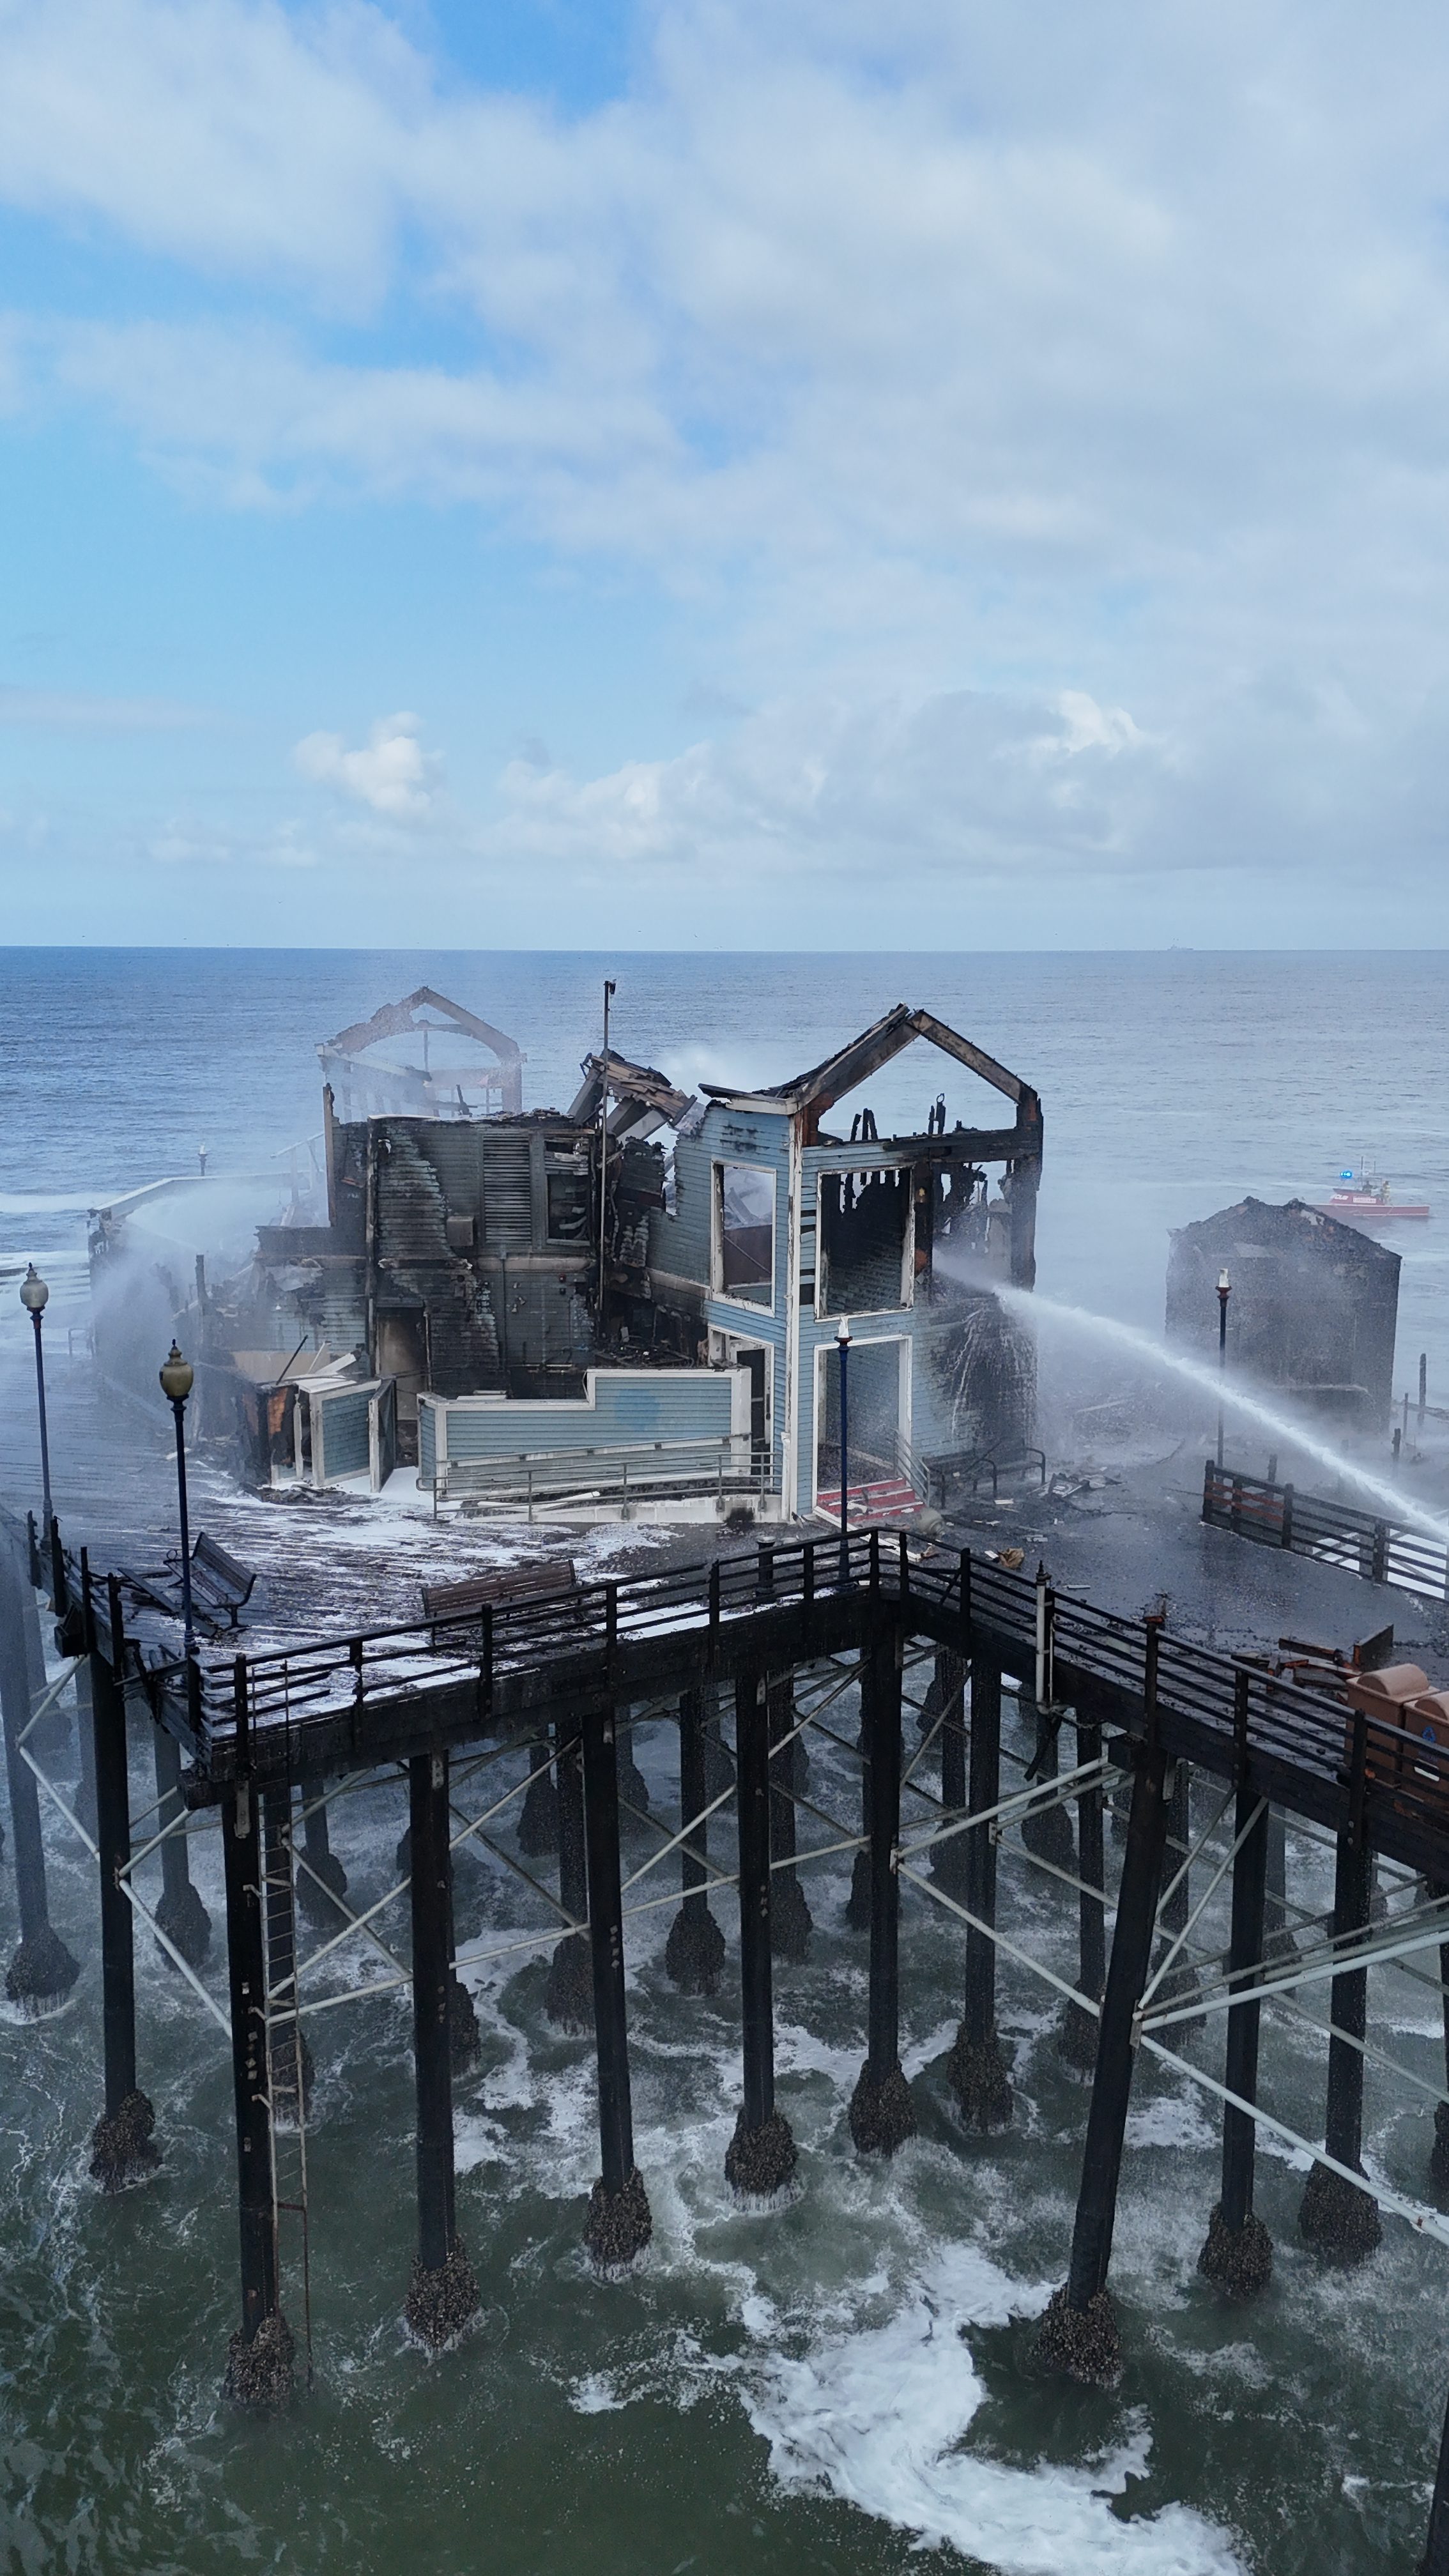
(1312, 1307)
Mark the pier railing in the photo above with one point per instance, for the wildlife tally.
(1379, 1549)
(378, 1691)
(643, 1471)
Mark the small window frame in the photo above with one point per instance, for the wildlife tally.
(764, 1304)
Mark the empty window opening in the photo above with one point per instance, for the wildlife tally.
(745, 1222)
(569, 1206)
(864, 1241)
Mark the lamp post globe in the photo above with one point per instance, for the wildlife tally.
(34, 1295)
(177, 1378)
(1225, 1290)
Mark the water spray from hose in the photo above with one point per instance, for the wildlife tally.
(1130, 1337)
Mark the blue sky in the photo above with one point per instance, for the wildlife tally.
(723, 473)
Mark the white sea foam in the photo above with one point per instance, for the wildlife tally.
(877, 2418)
(1170, 2121)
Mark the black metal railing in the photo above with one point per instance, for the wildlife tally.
(1391, 1780)
(1365, 1543)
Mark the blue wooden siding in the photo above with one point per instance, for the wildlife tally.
(628, 1408)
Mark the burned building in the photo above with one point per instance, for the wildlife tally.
(780, 1228)
(642, 1272)
(1312, 1304)
(449, 1082)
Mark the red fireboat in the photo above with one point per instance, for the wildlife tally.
(1362, 1198)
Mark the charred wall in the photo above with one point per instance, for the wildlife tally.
(1313, 1304)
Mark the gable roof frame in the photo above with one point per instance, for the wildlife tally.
(816, 1091)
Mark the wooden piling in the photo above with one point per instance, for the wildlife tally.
(123, 2140)
(948, 1859)
(569, 1995)
(619, 2223)
(1077, 2028)
(1435, 2561)
(694, 1952)
(322, 1877)
(761, 2156)
(442, 2293)
(882, 2114)
(42, 1969)
(259, 2365)
(977, 2071)
(1336, 2217)
(1181, 1984)
(791, 1923)
(180, 1914)
(1079, 2330)
(1238, 2254)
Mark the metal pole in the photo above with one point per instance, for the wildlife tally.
(609, 991)
(882, 2114)
(178, 1407)
(36, 1320)
(1079, 2331)
(286, 2056)
(619, 2222)
(1225, 1290)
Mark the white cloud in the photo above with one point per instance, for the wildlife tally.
(971, 784)
(980, 375)
(393, 774)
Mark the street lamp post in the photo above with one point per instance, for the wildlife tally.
(33, 1296)
(177, 1379)
(842, 1344)
(1225, 1290)
(609, 992)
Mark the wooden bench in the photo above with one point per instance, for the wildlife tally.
(220, 1587)
(218, 1580)
(533, 1581)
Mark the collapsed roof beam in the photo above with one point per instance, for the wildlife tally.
(826, 1083)
(638, 1085)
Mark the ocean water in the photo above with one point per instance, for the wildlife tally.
(844, 2385)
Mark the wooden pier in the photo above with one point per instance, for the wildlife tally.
(513, 1694)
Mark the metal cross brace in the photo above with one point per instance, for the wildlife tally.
(1428, 2222)
(1352, 1950)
